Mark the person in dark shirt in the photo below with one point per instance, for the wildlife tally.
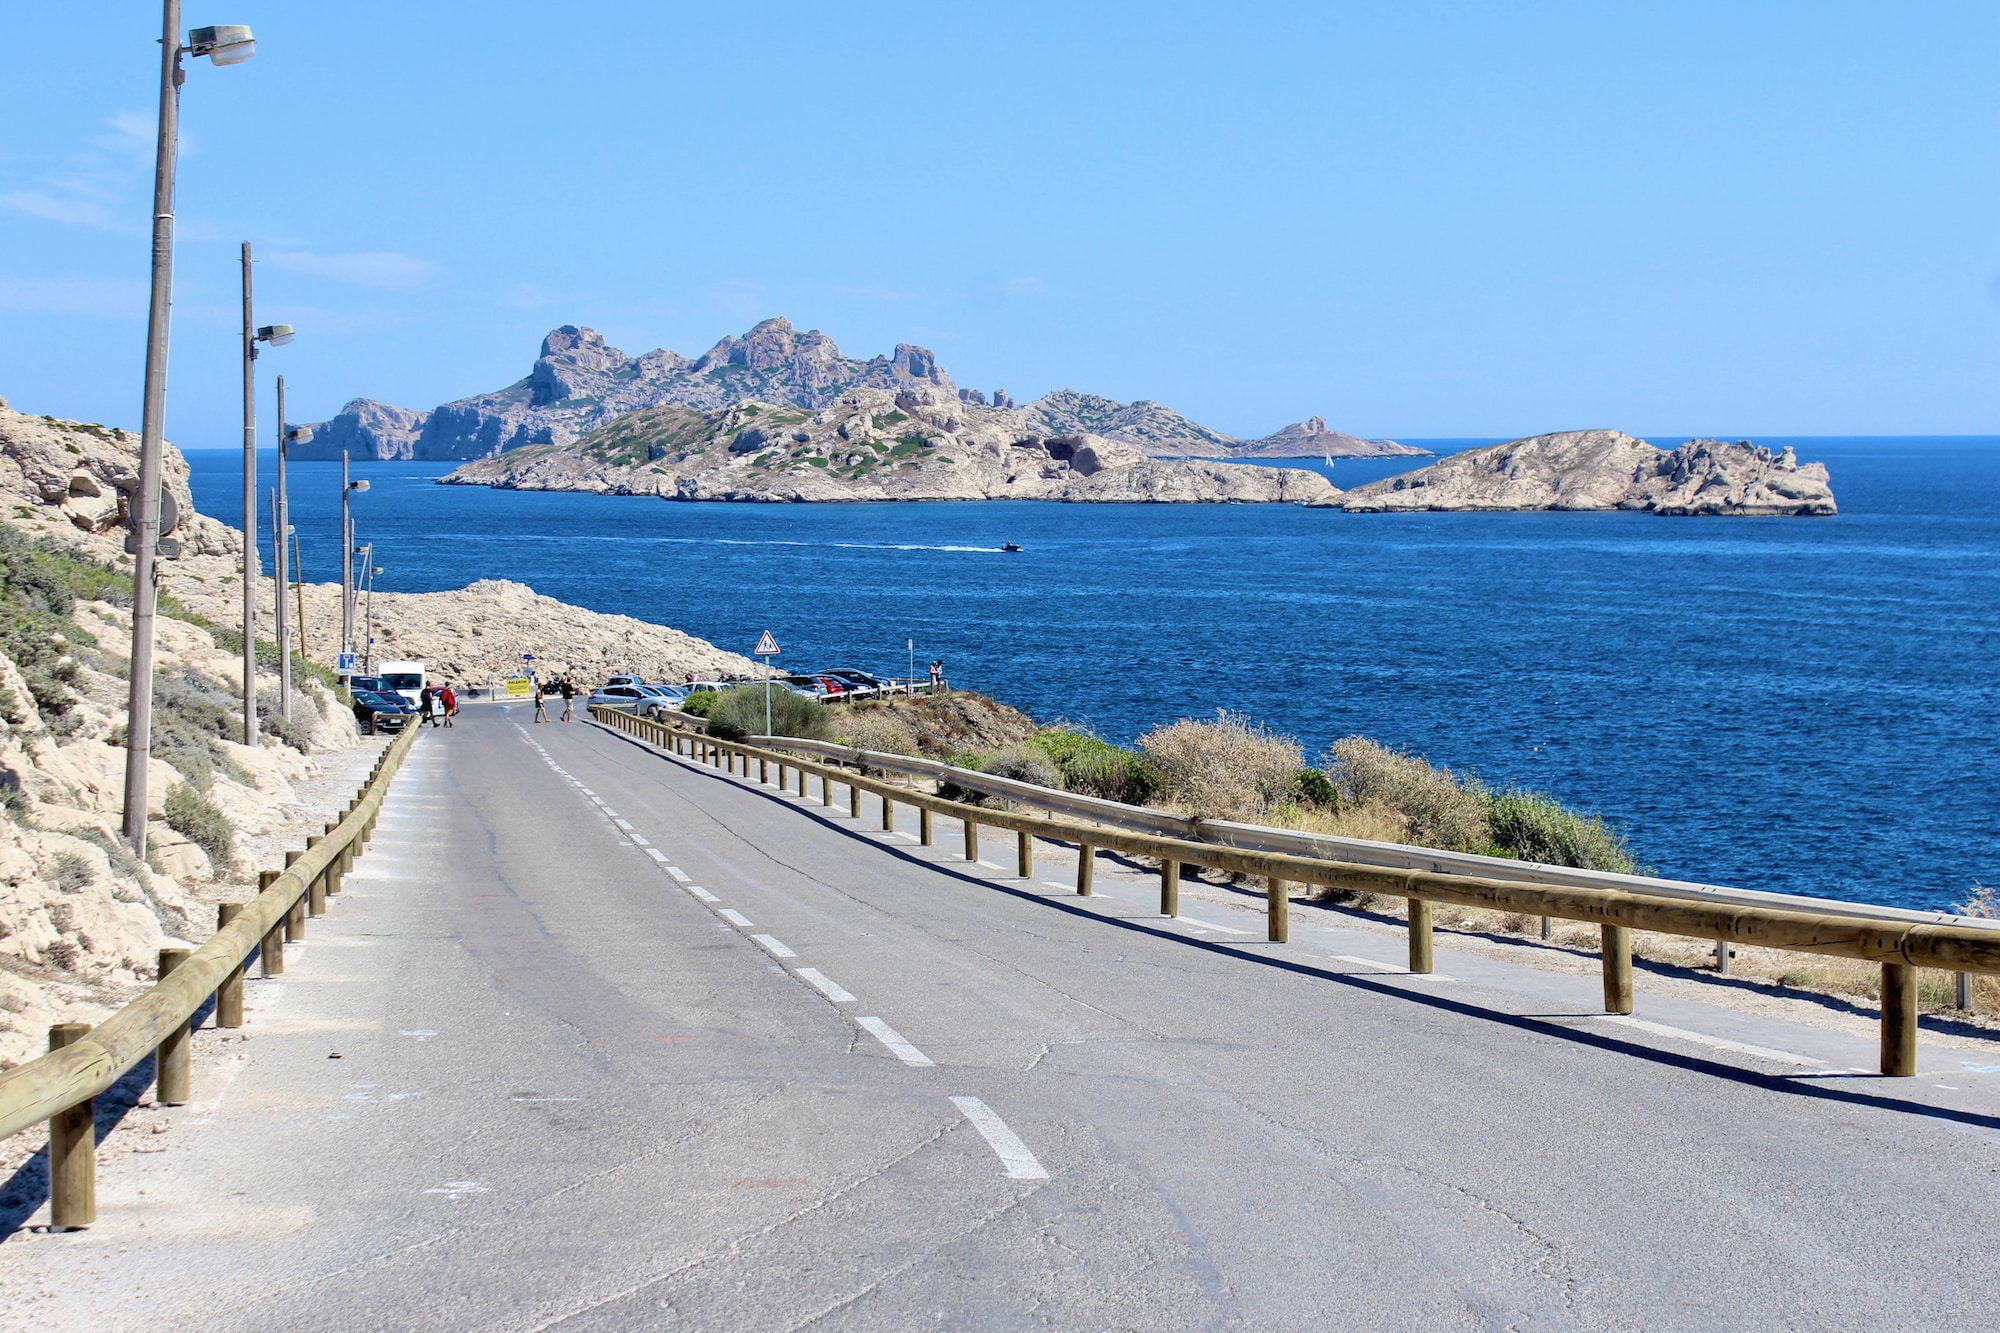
(568, 692)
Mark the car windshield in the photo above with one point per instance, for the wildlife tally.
(405, 680)
(366, 683)
(660, 691)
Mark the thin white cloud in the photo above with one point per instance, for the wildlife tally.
(116, 298)
(72, 211)
(380, 268)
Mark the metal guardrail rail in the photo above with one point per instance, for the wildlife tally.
(83, 1061)
(1900, 941)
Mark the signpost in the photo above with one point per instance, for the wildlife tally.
(344, 664)
(767, 648)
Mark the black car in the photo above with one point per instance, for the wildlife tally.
(381, 710)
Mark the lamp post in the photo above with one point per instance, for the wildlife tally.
(368, 616)
(347, 489)
(281, 536)
(277, 335)
(228, 45)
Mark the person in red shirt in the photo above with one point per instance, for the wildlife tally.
(450, 702)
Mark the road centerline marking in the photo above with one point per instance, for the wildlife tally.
(701, 893)
(775, 945)
(825, 985)
(898, 1045)
(680, 874)
(735, 918)
(1021, 1164)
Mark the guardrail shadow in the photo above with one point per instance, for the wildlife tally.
(1790, 1085)
(24, 1192)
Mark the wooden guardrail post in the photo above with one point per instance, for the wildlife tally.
(72, 1149)
(332, 873)
(229, 992)
(1086, 869)
(923, 826)
(1617, 951)
(854, 800)
(888, 814)
(1420, 936)
(272, 950)
(763, 771)
(825, 789)
(1024, 854)
(316, 888)
(171, 1073)
(1170, 888)
(1899, 1020)
(971, 839)
(1277, 910)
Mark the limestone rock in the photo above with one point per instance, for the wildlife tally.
(1607, 469)
(365, 429)
(919, 442)
(1312, 439)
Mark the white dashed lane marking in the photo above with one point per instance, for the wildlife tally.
(703, 894)
(898, 1045)
(1006, 1144)
(776, 947)
(825, 985)
(735, 918)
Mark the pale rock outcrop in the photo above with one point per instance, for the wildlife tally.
(580, 383)
(871, 444)
(1608, 469)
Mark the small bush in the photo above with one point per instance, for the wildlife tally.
(70, 873)
(189, 815)
(698, 703)
(1440, 811)
(1097, 768)
(1022, 763)
(1225, 769)
(739, 713)
(874, 729)
(1314, 789)
(1535, 827)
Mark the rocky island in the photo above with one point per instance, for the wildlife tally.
(581, 383)
(873, 444)
(1608, 469)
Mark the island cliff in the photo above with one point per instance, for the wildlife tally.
(872, 444)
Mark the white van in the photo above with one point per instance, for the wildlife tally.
(405, 678)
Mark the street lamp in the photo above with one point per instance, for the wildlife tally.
(281, 534)
(347, 551)
(226, 45)
(277, 335)
(368, 616)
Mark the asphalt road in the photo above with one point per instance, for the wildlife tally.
(600, 1039)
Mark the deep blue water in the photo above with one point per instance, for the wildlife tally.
(1800, 705)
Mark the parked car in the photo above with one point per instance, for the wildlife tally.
(865, 683)
(381, 710)
(824, 688)
(666, 699)
(625, 680)
(624, 698)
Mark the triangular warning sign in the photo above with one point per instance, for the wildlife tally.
(766, 646)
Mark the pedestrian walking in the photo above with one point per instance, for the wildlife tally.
(427, 706)
(449, 698)
(541, 708)
(569, 696)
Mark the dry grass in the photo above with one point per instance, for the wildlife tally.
(1439, 809)
(876, 729)
(1225, 769)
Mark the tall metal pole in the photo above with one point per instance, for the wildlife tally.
(346, 562)
(368, 617)
(249, 510)
(281, 532)
(152, 437)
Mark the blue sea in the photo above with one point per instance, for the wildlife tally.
(1803, 705)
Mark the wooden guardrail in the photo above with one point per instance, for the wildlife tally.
(83, 1061)
(1899, 946)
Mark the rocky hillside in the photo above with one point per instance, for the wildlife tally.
(1311, 439)
(581, 383)
(1607, 469)
(871, 444)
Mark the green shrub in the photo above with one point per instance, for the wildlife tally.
(1097, 768)
(1441, 811)
(1314, 789)
(698, 703)
(1225, 769)
(739, 713)
(1022, 763)
(1535, 827)
(201, 824)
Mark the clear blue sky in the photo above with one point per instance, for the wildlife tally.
(1415, 220)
